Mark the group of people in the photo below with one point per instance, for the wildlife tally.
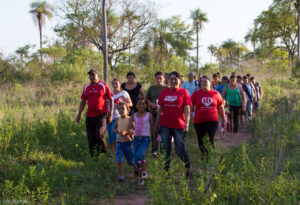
(134, 119)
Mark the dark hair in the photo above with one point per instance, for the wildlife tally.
(218, 74)
(252, 78)
(248, 75)
(116, 80)
(175, 73)
(130, 74)
(239, 77)
(125, 104)
(158, 73)
(245, 77)
(205, 77)
(144, 99)
(225, 78)
(167, 74)
(232, 76)
(215, 75)
(233, 73)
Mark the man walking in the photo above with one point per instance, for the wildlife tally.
(190, 84)
(97, 95)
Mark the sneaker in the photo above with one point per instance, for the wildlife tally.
(141, 182)
(144, 175)
(121, 179)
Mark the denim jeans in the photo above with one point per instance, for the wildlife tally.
(248, 111)
(124, 149)
(179, 140)
(140, 146)
(112, 136)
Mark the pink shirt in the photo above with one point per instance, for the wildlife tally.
(142, 125)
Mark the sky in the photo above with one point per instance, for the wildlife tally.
(228, 19)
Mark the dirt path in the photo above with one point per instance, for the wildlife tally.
(224, 142)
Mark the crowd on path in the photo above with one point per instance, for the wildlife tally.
(134, 120)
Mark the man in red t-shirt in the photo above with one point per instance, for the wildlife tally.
(96, 94)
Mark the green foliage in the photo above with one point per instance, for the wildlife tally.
(44, 156)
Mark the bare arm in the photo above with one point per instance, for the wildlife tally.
(260, 92)
(110, 114)
(243, 97)
(80, 110)
(116, 127)
(224, 93)
(222, 112)
(187, 113)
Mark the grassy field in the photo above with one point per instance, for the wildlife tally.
(44, 156)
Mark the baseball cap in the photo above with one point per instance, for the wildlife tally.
(93, 71)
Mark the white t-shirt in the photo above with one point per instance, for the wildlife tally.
(115, 98)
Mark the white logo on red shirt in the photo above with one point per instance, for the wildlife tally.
(170, 98)
(207, 101)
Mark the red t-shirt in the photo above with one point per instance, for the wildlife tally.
(206, 104)
(96, 95)
(173, 101)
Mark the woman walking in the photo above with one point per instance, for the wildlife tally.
(173, 117)
(236, 99)
(207, 102)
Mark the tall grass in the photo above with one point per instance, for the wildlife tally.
(44, 156)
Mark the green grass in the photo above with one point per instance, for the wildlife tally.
(44, 155)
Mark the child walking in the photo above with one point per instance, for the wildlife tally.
(124, 144)
(143, 124)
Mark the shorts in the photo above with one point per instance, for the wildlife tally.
(124, 149)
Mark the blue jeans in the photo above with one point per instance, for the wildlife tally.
(248, 111)
(140, 145)
(112, 136)
(124, 149)
(179, 140)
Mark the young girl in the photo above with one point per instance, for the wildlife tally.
(124, 146)
(143, 124)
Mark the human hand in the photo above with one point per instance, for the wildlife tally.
(186, 127)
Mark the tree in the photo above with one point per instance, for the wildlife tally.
(229, 45)
(23, 52)
(297, 5)
(84, 18)
(199, 18)
(212, 49)
(40, 10)
(277, 28)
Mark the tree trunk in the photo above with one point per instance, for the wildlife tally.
(41, 39)
(297, 4)
(197, 30)
(104, 38)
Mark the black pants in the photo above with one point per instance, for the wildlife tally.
(204, 128)
(96, 128)
(234, 117)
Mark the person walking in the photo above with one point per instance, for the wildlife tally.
(96, 94)
(190, 84)
(173, 118)
(120, 96)
(207, 103)
(134, 89)
(124, 146)
(234, 94)
(152, 100)
(143, 125)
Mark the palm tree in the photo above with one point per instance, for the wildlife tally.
(229, 45)
(40, 10)
(199, 18)
(253, 38)
(212, 49)
(162, 37)
(23, 52)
